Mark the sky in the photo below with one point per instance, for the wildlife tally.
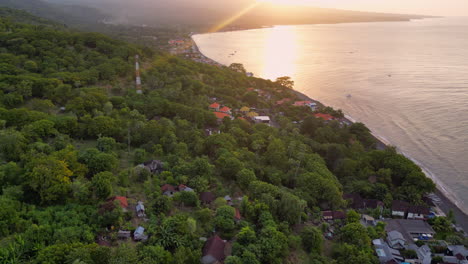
(424, 7)
(419, 7)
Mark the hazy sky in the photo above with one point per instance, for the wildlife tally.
(426, 7)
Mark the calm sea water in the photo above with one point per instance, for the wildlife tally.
(408, 81)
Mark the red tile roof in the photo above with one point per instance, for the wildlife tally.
(282, 101)
(302, 103)
(225, 109)
(215, 105)
(220, 115)
(214, 247)
(325, 117)
(167, 187)
(123, 201)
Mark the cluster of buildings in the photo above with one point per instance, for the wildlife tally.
(139, 210)
(401, 237)
(407, 226)
(246, 113)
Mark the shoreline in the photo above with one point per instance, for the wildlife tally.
(446, 203)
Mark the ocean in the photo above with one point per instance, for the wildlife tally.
(407, 81)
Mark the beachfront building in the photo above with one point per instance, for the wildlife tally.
(310, 104)
(418, 212)
(399, 208)
(412, 230)
(325, 117)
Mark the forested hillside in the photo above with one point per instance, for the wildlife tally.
(70, 14)
(78, 145)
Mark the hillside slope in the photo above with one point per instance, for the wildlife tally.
(80, 150)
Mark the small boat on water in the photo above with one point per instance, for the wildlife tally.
(348, 96)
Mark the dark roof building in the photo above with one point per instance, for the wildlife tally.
(333, 215)
(213, 251)
(207, 197)
(154, 166)
(410, 229)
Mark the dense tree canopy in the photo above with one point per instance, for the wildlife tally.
(75, 133)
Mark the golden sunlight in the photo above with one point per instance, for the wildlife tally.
(286, 2)
(281, 52)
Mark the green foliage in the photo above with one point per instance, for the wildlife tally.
(352, 217)
(70, 120)
(224, 219)
(312, 239)
(355, 234)
(49, 178)
(102, 184)
(187, 198)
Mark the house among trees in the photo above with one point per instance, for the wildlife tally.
(411, 229)
(213, 251)
(386, 254)
(220, 116)
(458, 251)
(122, 201)
(184, 188)
(168, 190)
(283, 101)
(333, 215)
(140, 209)
(139, 234)
(228, 199)
(153, 166)
(368, 220)
(225, 110)
(356, 202)
(262, 119)
(423, 253)
(309, 104)
(122, 234)
(326, 117)
(396, 240)
(399, 208)
(207, 197)
(418, 212)
(215, 106)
